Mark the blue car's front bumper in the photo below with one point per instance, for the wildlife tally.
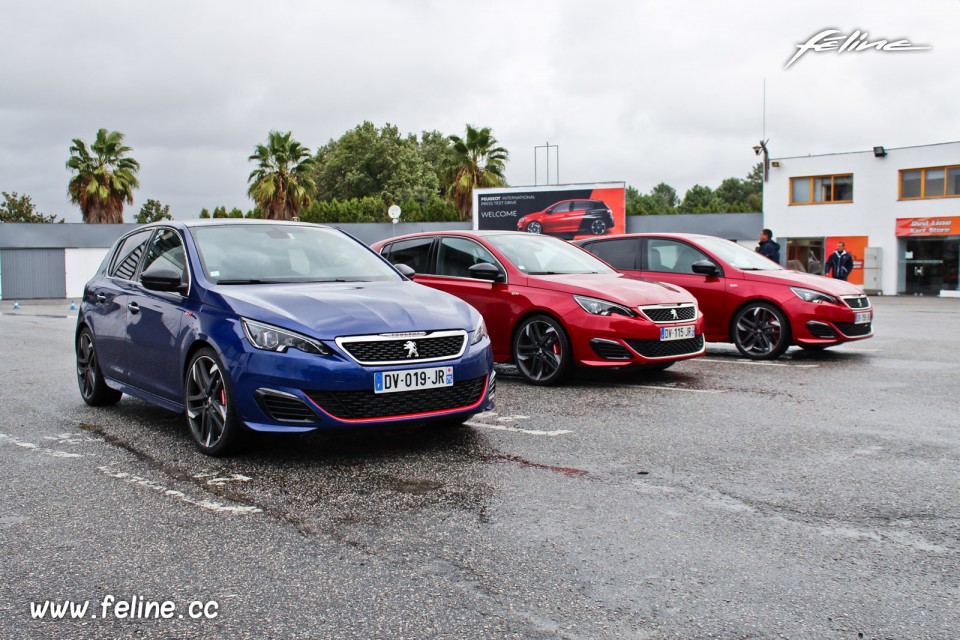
(295, 391)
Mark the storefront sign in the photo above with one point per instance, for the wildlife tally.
(928, 227)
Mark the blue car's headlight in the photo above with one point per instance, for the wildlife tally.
(479, 331)
(270, 338)
(600, 307)
(809, 295)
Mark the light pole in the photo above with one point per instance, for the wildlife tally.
(536, 150)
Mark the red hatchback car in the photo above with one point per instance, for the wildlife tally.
(746, 299)
(550, 305)
(570, 218)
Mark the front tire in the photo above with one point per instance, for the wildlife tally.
(93, 388)
(535, 227)
(209, 405)
(761, 331)
(541, 350)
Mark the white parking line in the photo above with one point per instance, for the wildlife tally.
(214, 480)
(529, 432)
(481, 421)
(659, 388)
(759, 364)
(209, 505)
(53, 453)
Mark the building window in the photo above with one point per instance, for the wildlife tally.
(821, 189)
(932, 182)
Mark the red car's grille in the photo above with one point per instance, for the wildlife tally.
(359, 405)
(677, 313)
(853, 330)
(667, 348)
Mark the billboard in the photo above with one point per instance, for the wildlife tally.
(565, 211)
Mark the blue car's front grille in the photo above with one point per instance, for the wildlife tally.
(413, 349)
(359, 405)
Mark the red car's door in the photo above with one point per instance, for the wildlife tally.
(455, 256)
(556, 218)
(573, 217)
(669, 260)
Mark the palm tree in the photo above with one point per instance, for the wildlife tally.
(283, 180)
(474, 162)
(105, 180)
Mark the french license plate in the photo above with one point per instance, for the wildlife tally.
(863, 317)
(412, 379)
(678, 333)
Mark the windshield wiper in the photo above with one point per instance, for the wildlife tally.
(246, 281)
(556, 273)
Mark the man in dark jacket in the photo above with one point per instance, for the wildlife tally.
(840, 263)
(767, 247)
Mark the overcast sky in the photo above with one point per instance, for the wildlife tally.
(640, 92)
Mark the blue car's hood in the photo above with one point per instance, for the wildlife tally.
(330, 310)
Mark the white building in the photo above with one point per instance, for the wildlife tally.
(898, 210)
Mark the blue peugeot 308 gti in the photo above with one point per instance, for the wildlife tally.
(275, 326)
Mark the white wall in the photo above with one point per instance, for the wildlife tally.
(80, 265)
(875, 207)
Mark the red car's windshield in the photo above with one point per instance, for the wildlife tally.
(738, 256)
(541, 255)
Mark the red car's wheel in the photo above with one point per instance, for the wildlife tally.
(541, 350)
(534, 227)
(761, 331)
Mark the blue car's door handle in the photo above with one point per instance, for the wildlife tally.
(133, 307)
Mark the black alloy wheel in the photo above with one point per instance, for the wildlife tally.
(210, 414)
(93, 388)
(541, 350)
(598, 227)
(761, 331)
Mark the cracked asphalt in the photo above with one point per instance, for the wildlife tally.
(814, 497)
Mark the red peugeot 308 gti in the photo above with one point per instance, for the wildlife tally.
(747, 299)
(550, 305)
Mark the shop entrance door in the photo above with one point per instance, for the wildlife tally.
(930, 265)
(805, 254)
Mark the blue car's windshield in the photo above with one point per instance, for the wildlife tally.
(269, 253)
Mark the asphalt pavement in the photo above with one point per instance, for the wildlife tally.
(816, 496)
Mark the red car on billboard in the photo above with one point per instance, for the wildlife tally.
(549, 305)
(570, 218)
(746, 299)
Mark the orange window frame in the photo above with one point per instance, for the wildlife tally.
(811, 179)
(923, 183)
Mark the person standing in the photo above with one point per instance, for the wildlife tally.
(839, 264)
(767, 247)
